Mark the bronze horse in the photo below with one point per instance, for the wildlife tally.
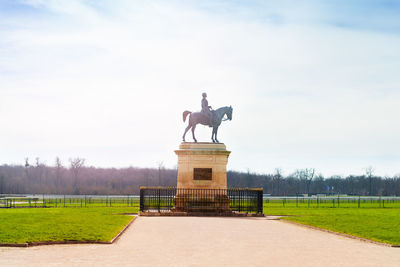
(199, 117)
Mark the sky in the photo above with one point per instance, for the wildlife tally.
(313, 84)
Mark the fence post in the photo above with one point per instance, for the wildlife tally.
(359, 200)
(260, 201)
(141, 199)
(158, 200)
(240, 198)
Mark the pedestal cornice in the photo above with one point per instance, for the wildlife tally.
(189, 148)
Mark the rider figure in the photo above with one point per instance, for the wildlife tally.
(206, 109)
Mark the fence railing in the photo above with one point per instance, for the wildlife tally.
(239, 200)
(162, 199)
(332, 202)
(68, 201)
(6, 203)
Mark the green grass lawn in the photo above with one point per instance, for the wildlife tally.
(378, 224)
(102, 224)
(62, 224)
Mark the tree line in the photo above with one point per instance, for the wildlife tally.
(306, 182)
(76, 178)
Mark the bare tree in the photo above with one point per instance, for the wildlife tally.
(27, 168)
(58, 162)
(37, 162)
(306, 176)
(160, 170)
(39, 169)
(250, 180)
(369, 172)
(59, 170)
(26, 162)
(75, 166)
(276, 179)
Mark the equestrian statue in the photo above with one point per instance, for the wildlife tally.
(207, 116)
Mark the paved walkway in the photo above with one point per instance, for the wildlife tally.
(210, 241)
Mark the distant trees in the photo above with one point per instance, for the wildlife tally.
(305, 177)
(2, 187)
(76, 178)
(305, 181)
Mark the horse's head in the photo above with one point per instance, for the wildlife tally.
(229, 113)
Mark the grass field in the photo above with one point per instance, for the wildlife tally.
(62, 224)
(378, 224)
(85, 219)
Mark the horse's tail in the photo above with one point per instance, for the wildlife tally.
(185, 113)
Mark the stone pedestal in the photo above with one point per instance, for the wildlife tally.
(198, 161)
(202, 182)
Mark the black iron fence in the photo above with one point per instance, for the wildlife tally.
(6, 203)
(331, 201)
(162, 199)
(66, 201)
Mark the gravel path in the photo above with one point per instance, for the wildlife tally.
(210, 241)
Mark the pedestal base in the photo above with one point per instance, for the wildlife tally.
(191, 203)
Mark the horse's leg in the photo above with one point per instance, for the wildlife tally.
(212, 135)
(216, 132)
(193, 128)
(184, 134)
